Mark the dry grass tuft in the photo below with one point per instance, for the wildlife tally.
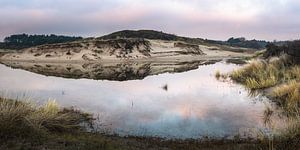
(257, 75)
(218, 74)
(25, 120)
(260, 74)
(288, 94)
(279, 73)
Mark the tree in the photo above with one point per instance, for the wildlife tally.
(20, 41)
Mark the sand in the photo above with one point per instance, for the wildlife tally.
(89, 51)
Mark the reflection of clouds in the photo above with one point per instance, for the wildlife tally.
(195, 104)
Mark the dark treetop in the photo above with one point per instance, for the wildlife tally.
(20, 41)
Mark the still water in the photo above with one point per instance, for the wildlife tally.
(191, 104)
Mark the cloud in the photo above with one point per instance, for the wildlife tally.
(216, 19)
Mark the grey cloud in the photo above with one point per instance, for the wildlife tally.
(216, 19)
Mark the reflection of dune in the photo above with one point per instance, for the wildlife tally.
(105, 71)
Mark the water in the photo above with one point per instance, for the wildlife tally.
(194, 104)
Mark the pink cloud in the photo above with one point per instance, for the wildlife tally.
(116, 16)
(197, 18)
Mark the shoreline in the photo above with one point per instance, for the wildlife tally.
(155, 59)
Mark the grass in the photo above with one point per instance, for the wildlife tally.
(290, 137)
(288, 94)
(25, 119)
(23, 124)
(261, 74)
(218, 74)
(279, 78)
(280, 75)
(257, 75)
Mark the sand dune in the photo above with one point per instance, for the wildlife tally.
(120, 50)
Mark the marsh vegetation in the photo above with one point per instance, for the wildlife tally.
(279, 79)
(280, 75)
(25, 125)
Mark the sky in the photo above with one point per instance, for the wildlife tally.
(211, 19)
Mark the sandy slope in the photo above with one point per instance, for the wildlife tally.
(120, 50)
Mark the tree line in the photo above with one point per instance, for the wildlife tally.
(241, 42)
(20, 41)
(291, 47)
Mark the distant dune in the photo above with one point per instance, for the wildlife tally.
(128, 45)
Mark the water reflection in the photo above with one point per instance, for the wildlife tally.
(107, 71)
(194, 105)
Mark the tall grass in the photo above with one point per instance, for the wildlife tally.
(260, 74)
(26, 120)
(257, 75)
(281, 78)
(288, 95)
(279, 74)
(289, 138)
